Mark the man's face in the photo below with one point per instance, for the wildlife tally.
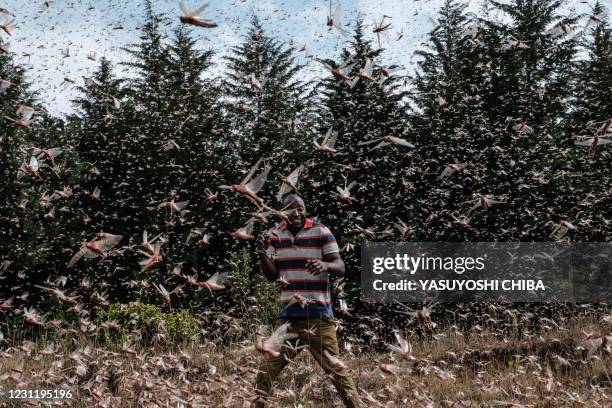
(298, 217)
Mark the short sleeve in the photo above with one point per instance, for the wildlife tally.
(328, 242)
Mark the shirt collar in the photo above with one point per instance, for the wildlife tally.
(307, 224)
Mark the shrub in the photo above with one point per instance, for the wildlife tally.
(156, 326)
(254, 300)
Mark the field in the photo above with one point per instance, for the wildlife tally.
(564, 363)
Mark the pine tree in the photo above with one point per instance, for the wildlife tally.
(100, 130)
(582, 177)
(360, 111)
(451, 74)
(12, 138)
(155, 142)
(266, 96)
(121, 131)
(148, 131)
(150, 62)
(100, 142)
(592, 103)
(36, 208)
(556, 175)
(199, 161)
(511, 80)
(196, 117)
(451, 125)
(535, 65)
(152, 119)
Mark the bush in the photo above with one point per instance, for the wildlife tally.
(156, 326)
(252, 299)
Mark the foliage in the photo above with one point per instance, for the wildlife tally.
(153, 324)
(258, 299)
(501, 96)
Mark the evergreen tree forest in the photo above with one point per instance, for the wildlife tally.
(513, 113)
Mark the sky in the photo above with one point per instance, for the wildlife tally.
(88, 28)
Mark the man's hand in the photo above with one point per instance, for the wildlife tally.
(262, 243)
(317, 266)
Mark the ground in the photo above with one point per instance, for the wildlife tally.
(562, 365)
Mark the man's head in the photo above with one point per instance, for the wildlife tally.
(294, 202)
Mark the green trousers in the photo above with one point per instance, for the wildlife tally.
(319, 334)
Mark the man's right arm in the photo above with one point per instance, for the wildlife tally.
(266, 262)
(268, 267)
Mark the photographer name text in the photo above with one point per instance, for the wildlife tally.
(461, 285)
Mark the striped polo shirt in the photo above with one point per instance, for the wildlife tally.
(311, 294)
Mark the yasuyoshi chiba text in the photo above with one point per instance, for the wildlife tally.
(461, 285)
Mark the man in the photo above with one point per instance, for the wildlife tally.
(304, 254)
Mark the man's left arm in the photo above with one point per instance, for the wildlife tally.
(335, 264)
(331, 262)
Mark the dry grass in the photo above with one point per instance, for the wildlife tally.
(484, 369)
